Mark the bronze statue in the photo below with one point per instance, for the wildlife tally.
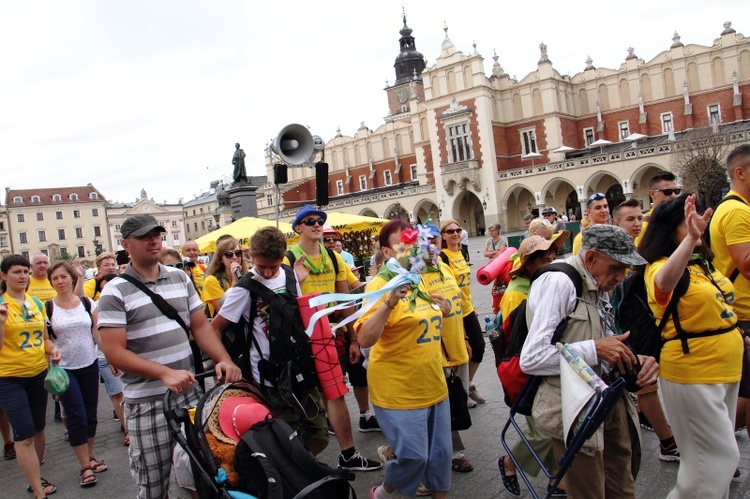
(238, 160)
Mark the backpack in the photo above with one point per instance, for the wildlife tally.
(633, 313)
(49, 306)
(273, 463)
(290, 366)
(515, 331)
(707, 233)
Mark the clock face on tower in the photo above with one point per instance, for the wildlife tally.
(402, 95)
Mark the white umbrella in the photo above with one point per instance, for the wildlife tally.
(636, 136)
(563, 149)
(601, 143)
(532, 156)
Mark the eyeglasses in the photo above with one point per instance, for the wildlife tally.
(669, 192)
(452, 231)
(596, 196)
(330, 239)
(312, 221)
(230, 254)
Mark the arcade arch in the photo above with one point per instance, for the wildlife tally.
(560, 193)
(519, 200)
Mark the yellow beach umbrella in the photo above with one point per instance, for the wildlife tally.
(345, 223)
(242, 230)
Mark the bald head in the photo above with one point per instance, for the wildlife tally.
(190, 250)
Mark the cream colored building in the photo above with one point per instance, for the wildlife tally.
(487, 148)
(5, 239)
(169, 216)
(57, 221)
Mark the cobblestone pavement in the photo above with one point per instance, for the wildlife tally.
(482, 443)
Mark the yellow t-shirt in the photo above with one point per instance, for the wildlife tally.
(198, 278)
(41, 288)
(730, 225)
(516, 292)
(325, 281)
(577, 242)
(453, 324)
(462, 272)
(405, 364)
(350, 277)
(212, 290)
(712, 359)
(89, 289)
(646, 218)
(22, 355)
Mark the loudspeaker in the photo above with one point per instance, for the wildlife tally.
(294, 144)
(279, 174)
(321, 184)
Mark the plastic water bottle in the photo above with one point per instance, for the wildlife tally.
(489, 327)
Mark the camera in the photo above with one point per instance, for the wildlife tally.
(630, 376)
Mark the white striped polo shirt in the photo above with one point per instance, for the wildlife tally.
(150, 334)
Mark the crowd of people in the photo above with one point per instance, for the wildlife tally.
(148, 327)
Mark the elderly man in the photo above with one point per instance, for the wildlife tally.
(154, 351)
(608, 463)
(191, 251)
(39, 285)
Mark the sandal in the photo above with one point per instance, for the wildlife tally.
(87, 480)
(461, 465)
(510, 482)
(126, 439)
(97, 466)
(49, 489)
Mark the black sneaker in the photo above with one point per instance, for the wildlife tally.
(358, 463)
(330, 428)
(368, 423)
(114, 416)
(670, 453)
(9, 452)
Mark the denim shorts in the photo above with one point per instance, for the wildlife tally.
(112, 383)
(24, 401)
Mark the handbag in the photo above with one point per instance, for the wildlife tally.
(57, 381)
(457, 398)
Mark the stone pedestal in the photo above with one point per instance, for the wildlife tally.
(242, 200)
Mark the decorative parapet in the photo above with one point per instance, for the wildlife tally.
(460, 174)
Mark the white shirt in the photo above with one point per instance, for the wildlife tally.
(552, 297)
(74, 339)
(237, 305)
(464, 236)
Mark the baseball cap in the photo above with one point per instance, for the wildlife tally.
(305, 212)
(532, 244)
(139, 225)
(614, 242)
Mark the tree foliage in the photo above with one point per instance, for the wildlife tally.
(699, 160)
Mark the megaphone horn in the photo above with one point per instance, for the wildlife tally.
(294, 144)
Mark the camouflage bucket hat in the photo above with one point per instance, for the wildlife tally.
(614, 242)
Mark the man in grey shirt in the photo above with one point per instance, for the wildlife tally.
(153, 351)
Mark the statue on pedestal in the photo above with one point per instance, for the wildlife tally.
(238, 160)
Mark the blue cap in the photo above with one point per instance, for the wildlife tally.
(434, 230)
(305, 212)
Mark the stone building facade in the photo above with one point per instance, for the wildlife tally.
(169, 216)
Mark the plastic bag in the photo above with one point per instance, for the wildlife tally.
(56, 382)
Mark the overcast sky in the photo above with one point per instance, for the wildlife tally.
(154, 94)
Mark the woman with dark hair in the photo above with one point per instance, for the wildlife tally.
(24, 348)
(406, 380)
(76, 336)
(701, 355)
(221, 273)
(451, 254)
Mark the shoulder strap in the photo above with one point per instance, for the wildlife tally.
(444, 258)
(291, 257)
(162, 304)
(86, 304)
(49, 307)
(38, 303)
(334, 261)
(707, 233)
(566, 269)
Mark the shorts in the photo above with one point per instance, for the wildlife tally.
(648, 389)
(112, 383)
(356, 372)
(152, 443)
(24, 401)
(312, 431)
(421, 441)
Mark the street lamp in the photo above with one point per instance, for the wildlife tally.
(98, 250)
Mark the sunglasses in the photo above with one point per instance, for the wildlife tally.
(230, 254)
(312, 221)
(452, 231)
(596, 196)
(669, 192)
(178, 265)
(329, 239)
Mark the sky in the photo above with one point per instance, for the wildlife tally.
(154, 94)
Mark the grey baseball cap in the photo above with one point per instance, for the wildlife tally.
(139, 225)
(614, 242)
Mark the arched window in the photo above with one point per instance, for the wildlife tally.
(56, 198)
(646, 87)
(668, 82)
(36, 199)
(93, 195)
(74, 197)
(18, 200)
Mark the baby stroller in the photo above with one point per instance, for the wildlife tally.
(244, 452)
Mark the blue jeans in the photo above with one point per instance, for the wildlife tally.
(80, 402)
(421, 441)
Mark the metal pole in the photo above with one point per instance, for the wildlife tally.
(276, 189)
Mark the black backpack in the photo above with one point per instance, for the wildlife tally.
(49, 307)
(632, 312)
(290, 366)
(516, 383)
(273, 463)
